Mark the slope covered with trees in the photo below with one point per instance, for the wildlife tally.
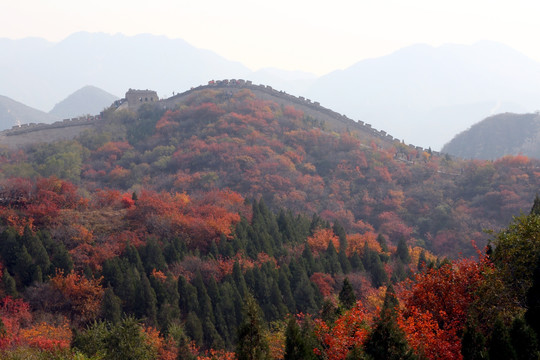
(219, 140)
(234, 227)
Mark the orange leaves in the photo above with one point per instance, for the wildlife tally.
(159, 275)
(46, 336)
(83, 295)
(348, 331)
(164, 347)
(320, 239)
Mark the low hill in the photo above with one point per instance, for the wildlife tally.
(88, 100)
(498, 136)
(14, 113)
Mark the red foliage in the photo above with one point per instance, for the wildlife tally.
(37, 203)
(325, 283)
(349, 330)
(201, 219)
(436, 306)
(112, 151)
(15, 314)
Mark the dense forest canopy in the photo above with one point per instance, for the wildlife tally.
(236, 227)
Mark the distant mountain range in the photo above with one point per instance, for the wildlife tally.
(421, 94)
(41, 73)
(497, 136)
(426, 95)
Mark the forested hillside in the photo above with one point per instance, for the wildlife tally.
(234, 227)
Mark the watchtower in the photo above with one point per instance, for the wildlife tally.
(136, 98)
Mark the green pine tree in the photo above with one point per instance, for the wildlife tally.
(8, 284)
(500, 346)
(252, 344)
(194, 328)
(402, 251)
(473, 344)
(532, 315)
(297, 346)
(386, 341)
(332, 264)
(347, 298)
(524, 340)
(536, 206)
(111, 309)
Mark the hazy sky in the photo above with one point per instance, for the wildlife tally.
(314, 36)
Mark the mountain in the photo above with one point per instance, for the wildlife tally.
(420, 94)
(166, 218)
(14, 113)
(498, 136)
(88, 100)
(40, 73)
(425, 94)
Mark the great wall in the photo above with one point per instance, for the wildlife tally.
(26, 134)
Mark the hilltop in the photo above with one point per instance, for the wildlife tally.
(88, 100)
(67, 129)
(498, 136)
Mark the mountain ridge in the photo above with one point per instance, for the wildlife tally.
(330, 118)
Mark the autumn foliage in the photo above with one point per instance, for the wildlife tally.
(83, 295)
(174, 217)
(348, 331)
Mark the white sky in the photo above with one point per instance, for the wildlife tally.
(314, 36)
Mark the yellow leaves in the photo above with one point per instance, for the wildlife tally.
(181, 199)
(415, 255)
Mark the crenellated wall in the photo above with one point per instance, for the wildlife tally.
(135, 98)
